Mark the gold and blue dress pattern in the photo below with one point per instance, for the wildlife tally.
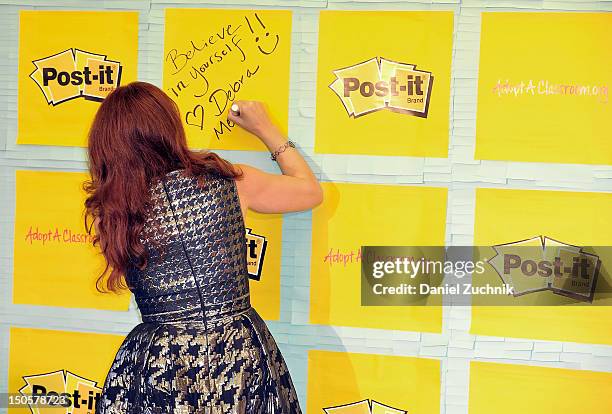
(201, 347)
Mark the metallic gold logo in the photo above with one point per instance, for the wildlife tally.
(380, 83)
(256, 251)
(364, 407)
(542, 263)
(60, 392)
(75, 73)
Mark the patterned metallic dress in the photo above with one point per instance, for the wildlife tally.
(201, 347)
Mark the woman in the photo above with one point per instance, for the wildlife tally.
(169, 222)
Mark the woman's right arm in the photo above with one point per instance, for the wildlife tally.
(296, 189)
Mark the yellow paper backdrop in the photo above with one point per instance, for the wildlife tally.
(265, 293)
(54, 261)
(355, 215)
(46, 33)
(582, 219)
(421, 38)
(510, 389)
(405, 383)
(40, 351)
(561, 48)
(214, 56)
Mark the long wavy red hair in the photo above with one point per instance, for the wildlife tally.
(136, 136)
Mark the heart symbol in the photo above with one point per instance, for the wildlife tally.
(198, 108)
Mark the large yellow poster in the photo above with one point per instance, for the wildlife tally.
(54, 361)
(574, 218)
(69, 61)
(510, 389)
(355, 215)
(55, 263)
(383, 82)
(264, 242)
(543, 86)
(350, 383)
(213, 57)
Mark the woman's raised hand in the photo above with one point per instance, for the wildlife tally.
(253, 117)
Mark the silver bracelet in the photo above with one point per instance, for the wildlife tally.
(282, 148)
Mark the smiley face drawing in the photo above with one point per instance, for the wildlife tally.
(260, 40)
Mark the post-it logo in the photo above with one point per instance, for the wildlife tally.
(75, 73)
(380, 83)
(364, 407)
(256, 251)
(60, 392)
(542, 263)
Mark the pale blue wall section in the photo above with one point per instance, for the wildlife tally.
(460, 173)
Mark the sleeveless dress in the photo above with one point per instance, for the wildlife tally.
(201, 347)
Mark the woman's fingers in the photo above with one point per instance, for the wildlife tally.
(251, 115)
(232, 113)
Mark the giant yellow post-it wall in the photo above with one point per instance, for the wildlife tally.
(264, 241)
(213, 57)
(383, 82)
(55, 263)
(59, 361)
(355, 215)
(543, 86)
(69, 61)
(577, 218)
(510, 389)
(346, 383)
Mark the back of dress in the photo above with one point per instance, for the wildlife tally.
(201, 346)
(196, 242)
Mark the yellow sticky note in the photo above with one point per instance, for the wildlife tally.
(60, 361)
(213, 57)
(69, 61)
(347, 383)
(534, 102)
(264, 241)
(55, 263)
(383, 82)
(510, 389)
(574, 218)
(355, 215)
